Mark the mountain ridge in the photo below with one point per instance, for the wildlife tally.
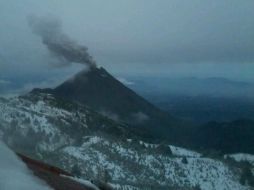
(65, 134)
(106, 95)
(102, 92)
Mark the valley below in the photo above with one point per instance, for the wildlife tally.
(94, 147)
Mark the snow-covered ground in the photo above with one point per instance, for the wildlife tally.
(15, 175)
(147, 167)
(178, 151)
(242, 157)
(49, 131)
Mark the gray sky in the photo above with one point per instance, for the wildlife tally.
(172, 37)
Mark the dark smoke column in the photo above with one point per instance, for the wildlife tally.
(59, 44)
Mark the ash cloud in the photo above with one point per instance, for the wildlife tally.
(58, 43)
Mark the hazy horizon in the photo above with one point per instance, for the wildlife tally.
(164, 38)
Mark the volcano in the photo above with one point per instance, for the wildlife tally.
(102, 92)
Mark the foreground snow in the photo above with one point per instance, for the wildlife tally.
(133, 167)
(40, 127)
(14, 174)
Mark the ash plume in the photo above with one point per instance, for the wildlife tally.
(58, 43)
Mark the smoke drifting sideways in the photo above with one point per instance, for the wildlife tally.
(60, 45)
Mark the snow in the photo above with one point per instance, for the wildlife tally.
(242, 157)
(15, 175)
(148, 145)
(26, 117)
(82, 181)
(91, 140)
(129, 162)
(123, 187)
(74, 151)
(207, 173)
(177, 151)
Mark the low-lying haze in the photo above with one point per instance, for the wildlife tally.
(199, 38)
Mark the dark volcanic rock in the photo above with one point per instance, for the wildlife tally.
(99, 90)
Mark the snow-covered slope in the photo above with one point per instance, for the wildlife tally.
(239, 157)
(72, 136)
(131, 163)
(15, 175)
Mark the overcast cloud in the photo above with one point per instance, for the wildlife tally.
(135, 36)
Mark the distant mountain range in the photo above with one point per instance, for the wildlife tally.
(106, 95)
(192, 86)
(95, 127)
(203, 109)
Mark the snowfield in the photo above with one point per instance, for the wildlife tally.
(15, 175)
(148, 167)
(242, 157)
(69, 135)
(184, 152)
